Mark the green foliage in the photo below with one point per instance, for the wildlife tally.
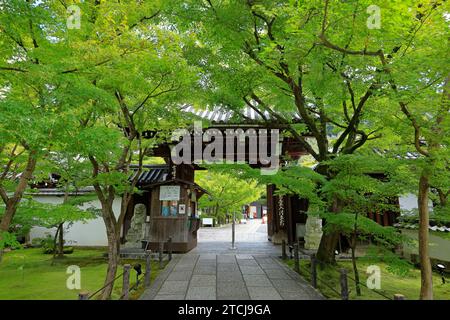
(394, 264)
(8, 240)
(288, 179)
(365, 228)
(47, 244)
(362, 184)
(50, 215)
(24, 273)
(227, 194)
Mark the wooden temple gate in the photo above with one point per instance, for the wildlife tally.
(284, 213)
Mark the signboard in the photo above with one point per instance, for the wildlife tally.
(253, 212)
(171, 193)
(182, 209)
(207, 221)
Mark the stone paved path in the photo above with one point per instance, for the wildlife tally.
(212, 271)
(229, 277)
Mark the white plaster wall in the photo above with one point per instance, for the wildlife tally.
(409, 202)
(91, 233)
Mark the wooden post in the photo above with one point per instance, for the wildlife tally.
(169, 248)
(126, 281)
(161, 250)
(233, 232)
(301, 243)
(313, 271)
(283, 250)
(148, 269)
(83, 295)
(399, 296)
(296, 259)
(344, 284)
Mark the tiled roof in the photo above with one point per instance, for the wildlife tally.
(152, 174)
(219, 115)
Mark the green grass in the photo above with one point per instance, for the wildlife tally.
(408, 285)
(27, 274)
(443, 235)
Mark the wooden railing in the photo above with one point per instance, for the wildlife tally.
(343, 275)
(125, 275)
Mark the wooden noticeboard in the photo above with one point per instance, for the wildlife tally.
(169, 193)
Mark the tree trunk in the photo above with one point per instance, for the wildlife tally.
(12, 203)
(327, 246)
(55, 244)
(426, 288)
(61, 240)
(113, 250)
(10, 210)
(442, 197)
(355, 267)
(329, 240)
(113, 262)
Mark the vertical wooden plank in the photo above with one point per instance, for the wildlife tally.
(296, 258)
(289, 223)
(269, 210)
(344, 284)
(126, 282)
(378, 218)
(385, 219)
(148, 268)
(161, 250)
(313, 271)
(169, 248)
(283, 250)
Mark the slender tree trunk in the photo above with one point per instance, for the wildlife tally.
(113, 249)
(355, 266)
(59, 245)
(426, 288)
(55, 245)
(12, 203)
(10, 210)
(442, 197)
(113, 262)
(61, 240)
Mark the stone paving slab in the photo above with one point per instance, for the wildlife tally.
(248, 263)
(229, 277)
(205, 270)
(227, 267)
(277, 274)
(251, 270)
(183, 267)
(180, 275)
(231, 288)
(244, 256)
(252, 280)
(174, 287)
(201, 293)
(202, 280)
(169, 297)
(226, 258)
(264, 293)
